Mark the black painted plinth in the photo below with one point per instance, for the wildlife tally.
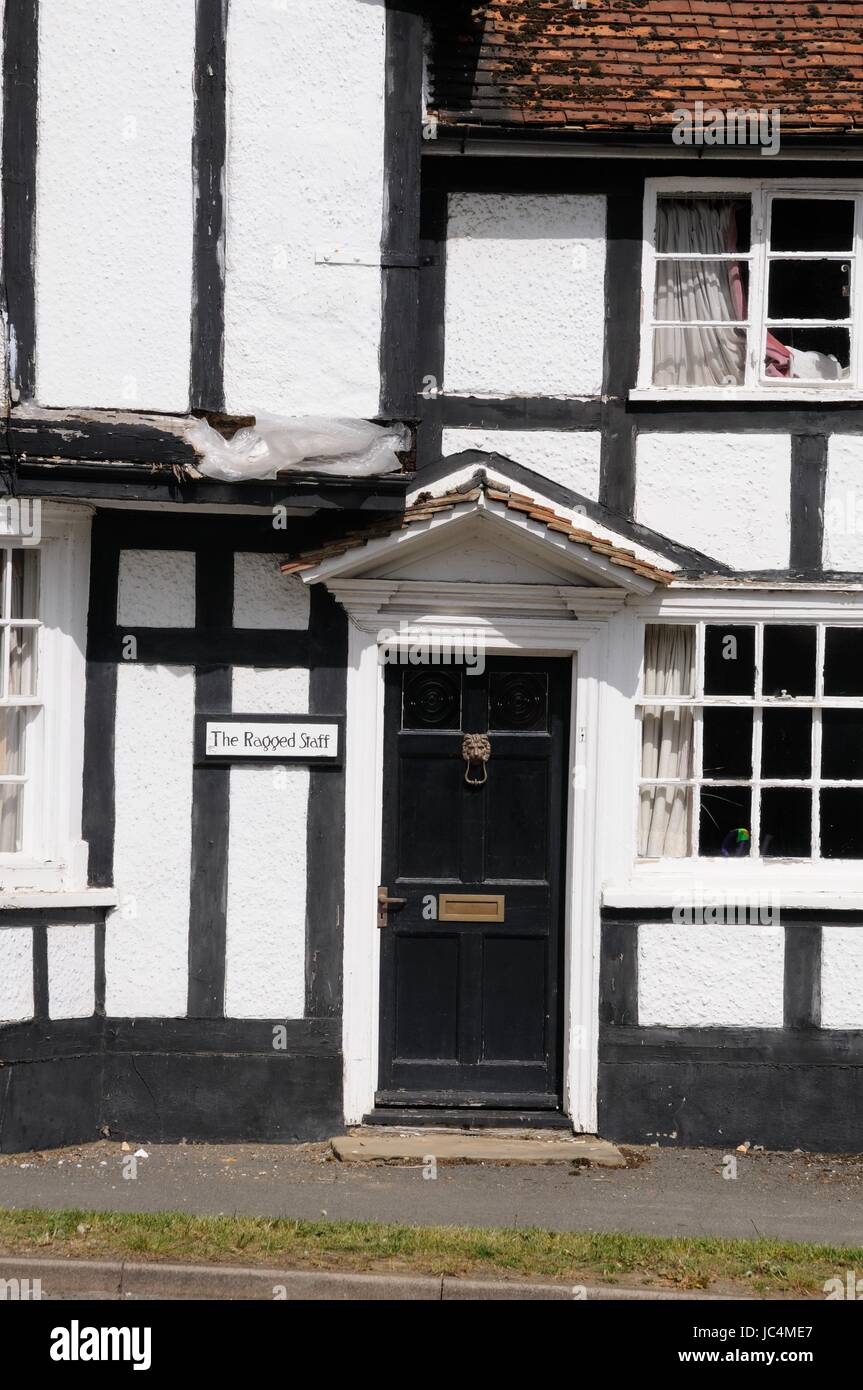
(163, 1080)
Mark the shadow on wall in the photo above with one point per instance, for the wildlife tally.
(457, 35)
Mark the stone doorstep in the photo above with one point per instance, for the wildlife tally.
(371, 1144)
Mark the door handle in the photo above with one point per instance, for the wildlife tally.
(384, 903)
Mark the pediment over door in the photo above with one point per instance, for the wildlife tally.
(478, 545)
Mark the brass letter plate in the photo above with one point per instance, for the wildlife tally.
(471, 907)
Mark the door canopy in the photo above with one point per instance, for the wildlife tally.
(481, 529)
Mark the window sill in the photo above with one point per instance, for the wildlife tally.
(743, 394)
(28, 898)
(790, 886)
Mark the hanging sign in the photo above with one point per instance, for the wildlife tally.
(268, 738)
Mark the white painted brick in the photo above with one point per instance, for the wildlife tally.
(258, 690)
(525, 287)
(266, 931)
(693, 976)
(728, 495)
(842, 977)
(71, 970)
(264, 597)
(305, 175)
(156, 588)
(114, 203)
(843, 504)
(569, 457)
(147, 937)
(16, 974)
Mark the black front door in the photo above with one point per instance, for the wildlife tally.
(470, 1009)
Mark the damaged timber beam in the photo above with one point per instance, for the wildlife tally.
(133, 456)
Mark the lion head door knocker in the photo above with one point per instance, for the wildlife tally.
(476, 751)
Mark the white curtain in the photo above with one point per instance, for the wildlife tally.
(23, 640)
(687, 290)
(11, 761)
(666, 749)
(22, 602)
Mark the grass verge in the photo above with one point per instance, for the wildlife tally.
(741, 1266)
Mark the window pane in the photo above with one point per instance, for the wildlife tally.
(669, 659)
(811, 354)
(11, 802)
(786, 743)
(665, 818)
(727, 743)
(842, 744)
(666, 742)
(699, 356)
(809, 290)
(786, 822)
(23, 642)
(843, 661)
(726, 818)
(706, 225)
(812, 224)
(12, 741)
(25, 584)
(687, 291)
(789, 660)
(729, 661)
(842, 823)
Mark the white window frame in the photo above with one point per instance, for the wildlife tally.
(53, 856)
(758, 703)
(30, 704)
(762, 192)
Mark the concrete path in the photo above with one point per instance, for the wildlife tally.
(672, 1192)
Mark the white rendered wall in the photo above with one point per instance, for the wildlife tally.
(569, 457)
(694, 976)
(16, 974)
(843, 504)
(114, 203)
(842, 977)
(305, 176)
(265, 953)
(147, 937)
(2, 32)
(71, 970)
(525, 294)
(728, 495)
(261, 690)
(156, 588)
(266, 598)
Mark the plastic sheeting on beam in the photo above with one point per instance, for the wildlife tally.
(302, 444)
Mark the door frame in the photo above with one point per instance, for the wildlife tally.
(584, 639)
(533, 1078)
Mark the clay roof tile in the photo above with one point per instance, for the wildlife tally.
(606, 65)
(430, 507)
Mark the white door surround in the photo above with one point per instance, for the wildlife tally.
(585, 643)
(417, 586)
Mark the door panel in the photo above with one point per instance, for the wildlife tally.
(470, 1011)
(516, 841)
(513, 994)
(427, 790)
(427, 970)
